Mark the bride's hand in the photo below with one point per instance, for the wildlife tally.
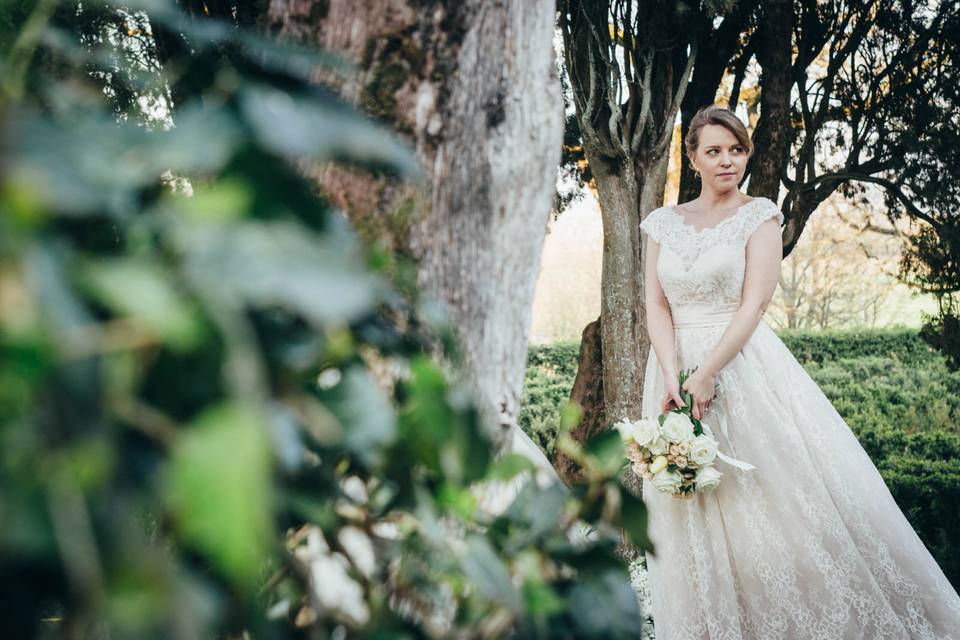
(671, 396)
(700, 385)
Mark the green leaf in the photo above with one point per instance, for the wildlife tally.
(605, 452)
(509, 466)
(604, 605)
(426, 420)
(223, 201)
(218, 490)
(540, 599)
(266, 264)
(366, 414)
(633, 519)
(292, 125)
(484, 568)
(142, 290)
(536, 512)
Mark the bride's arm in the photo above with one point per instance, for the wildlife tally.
(764, 254)
(659, 319)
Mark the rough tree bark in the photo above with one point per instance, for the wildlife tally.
(473, 87)
(626, 130)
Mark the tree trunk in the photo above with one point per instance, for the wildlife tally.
(626, 137)
(473, 87)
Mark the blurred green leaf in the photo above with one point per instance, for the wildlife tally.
(633, 519)
(263, 264)
(605, 452)
(487, 572)
(508, 466)
(142, 290)
(459, 501)
(535, 512)
(222, 201)
(218, 489)
(426, 419)
(540, 599)
(366, 414)
(604, 605)
(323, 129)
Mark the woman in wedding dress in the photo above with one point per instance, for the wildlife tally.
(809, 543)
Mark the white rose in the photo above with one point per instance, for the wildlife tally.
(658, 446)
(703, 450)
(676, 427)
(707, 478)
(645, 431)
(667, 481)
(625, 429)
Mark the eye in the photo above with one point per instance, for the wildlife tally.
(709, 151)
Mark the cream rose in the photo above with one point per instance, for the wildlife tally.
(645, 431)
(625, 429)
(703, 450)
(658, 446)
(707, 479)
(676, 427)
(668, 481)
(633, 452)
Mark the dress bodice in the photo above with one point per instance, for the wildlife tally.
(702, 271)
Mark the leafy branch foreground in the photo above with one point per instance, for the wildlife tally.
(217, 414)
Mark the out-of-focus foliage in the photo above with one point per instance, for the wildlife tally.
(216, 409)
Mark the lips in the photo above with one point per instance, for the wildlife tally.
(722, 175)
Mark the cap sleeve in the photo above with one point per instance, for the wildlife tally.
(761, 210)
(654, 224)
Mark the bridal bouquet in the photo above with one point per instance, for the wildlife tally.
(676, 452)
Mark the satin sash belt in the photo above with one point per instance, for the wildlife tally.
(701, 316)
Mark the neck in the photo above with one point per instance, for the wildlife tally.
(717, 199)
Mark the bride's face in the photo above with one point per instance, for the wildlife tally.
(720, 158)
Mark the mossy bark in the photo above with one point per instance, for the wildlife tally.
(472, 86)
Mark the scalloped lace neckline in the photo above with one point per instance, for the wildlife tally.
(684, 223)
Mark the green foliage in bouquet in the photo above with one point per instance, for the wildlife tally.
(216, 412)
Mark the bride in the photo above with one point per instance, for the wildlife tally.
(810, 543)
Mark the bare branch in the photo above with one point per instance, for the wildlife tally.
(889, 185)
(667, 134)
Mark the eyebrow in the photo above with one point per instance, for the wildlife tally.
(717, 146)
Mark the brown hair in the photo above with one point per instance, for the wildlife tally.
(715, 114)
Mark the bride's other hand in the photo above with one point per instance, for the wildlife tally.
(671, 397)
(700, 385)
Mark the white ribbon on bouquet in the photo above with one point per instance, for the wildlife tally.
(740, 464)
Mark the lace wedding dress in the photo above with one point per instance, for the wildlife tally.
(810, 543)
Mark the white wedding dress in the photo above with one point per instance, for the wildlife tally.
(808, 545)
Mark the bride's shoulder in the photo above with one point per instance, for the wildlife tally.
(762, 208)
(655, 223)
(757, 211)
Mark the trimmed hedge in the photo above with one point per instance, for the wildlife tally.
(894, 391)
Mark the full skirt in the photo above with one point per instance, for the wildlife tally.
(808, 545)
